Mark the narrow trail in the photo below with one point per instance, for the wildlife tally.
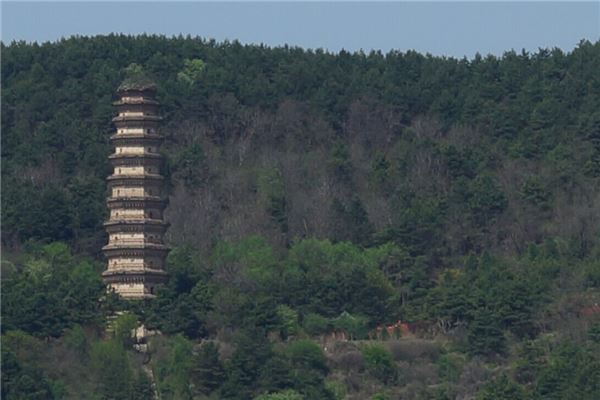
(148, 371)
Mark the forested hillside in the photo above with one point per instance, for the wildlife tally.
(310, 193)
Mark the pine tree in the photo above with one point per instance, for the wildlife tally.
(207, 370)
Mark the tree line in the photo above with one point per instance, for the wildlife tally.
(310, 192)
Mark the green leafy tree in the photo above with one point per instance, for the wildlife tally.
(243, 369)
(173, 371)
(22, 379)
(287, 319)
(124, 325)
(113, 370)
(309, 368)
(283, 395)
(501, 388)
(380, 363)
(485, 333)
(192, 71)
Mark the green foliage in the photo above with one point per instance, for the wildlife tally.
(450, 367)
(533, 192)
(337, 388)
(379, 396)
(594, 332)
(244, 368)
(183, 305)
(485, 200)
(309, 368)
(354, 325)
(124, 326)
(173, 369)
(190, 166)
(51, 292)
(111, 364)
(283, 395)
(22, 378)
(501, 388)
(380, 174)
(207, 371)
(315, 324)
(272, 189)
(380, 363)
(490, 297)
(76, 339)
(135, 78)
(328, 279)
(142, 387)
(571, 371)
(306, 354)
(287, 319)
(192, 71)
(485, 333)
(340, 162)
(417, 169)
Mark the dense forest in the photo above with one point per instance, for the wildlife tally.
(315, 197)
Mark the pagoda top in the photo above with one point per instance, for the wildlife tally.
(138, 83)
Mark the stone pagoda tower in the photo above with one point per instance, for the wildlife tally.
(135, 250)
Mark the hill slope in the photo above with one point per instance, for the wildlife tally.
(313, 192)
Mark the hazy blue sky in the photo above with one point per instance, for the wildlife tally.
(440, 28)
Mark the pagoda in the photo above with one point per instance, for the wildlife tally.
(135, 251)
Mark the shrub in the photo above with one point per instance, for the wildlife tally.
(450, 367)
(380, 363)
(315, 324)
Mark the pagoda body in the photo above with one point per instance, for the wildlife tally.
(135, 251)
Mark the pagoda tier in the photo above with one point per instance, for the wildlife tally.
(136, 251)
(150, 202)
(141, 247)
(133, 179)
(135, 284)
(135, 118)
(132, 138)
(145, 160)
(124, 102)
(150, 226)
(139, 106)
(146, 274)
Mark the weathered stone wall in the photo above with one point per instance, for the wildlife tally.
(136, 149)
(129, 289)
(121, 191)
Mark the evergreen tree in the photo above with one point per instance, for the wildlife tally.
(207, 372)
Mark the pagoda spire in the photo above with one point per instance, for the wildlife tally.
(136, 251)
